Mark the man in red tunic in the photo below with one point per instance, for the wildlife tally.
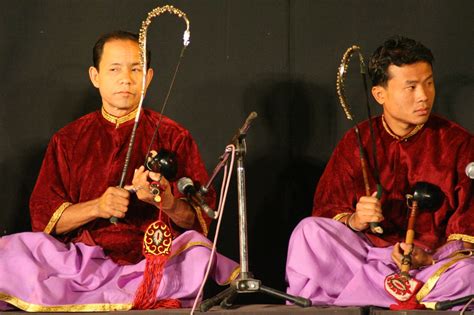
(96, 265)
(346, 263)
(76, 192)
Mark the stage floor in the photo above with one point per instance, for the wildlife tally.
(273, 309)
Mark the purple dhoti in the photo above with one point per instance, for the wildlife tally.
(332, 265)
(39, 273)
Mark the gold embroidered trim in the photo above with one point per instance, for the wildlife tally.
(429, 285)
(119, 120)
(201, 221)
(390, 132)
(200, 218)
(29, 307)
(189, 245)
(55, 217)
(340, 216)
(461, 237)
(232, 276)
(430, 305)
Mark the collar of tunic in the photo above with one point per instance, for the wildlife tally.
(396, 137)
(118, 120)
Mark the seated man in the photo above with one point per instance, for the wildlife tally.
(96, 265)
(333, 258)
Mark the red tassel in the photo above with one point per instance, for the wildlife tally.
(410, 304)
(156, 248)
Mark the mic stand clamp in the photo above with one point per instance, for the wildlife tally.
(245, 283)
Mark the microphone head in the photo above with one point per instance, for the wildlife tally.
(186, 185)
(470, 170)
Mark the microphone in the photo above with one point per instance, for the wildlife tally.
(470, 170)
(186, 187)
(242, 132)
(444, 305)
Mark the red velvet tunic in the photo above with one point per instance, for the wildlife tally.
(87, 156)
(438, 154)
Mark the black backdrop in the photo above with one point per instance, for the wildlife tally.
(276, 57)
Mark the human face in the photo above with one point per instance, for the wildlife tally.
(119, 77)
(408, 98)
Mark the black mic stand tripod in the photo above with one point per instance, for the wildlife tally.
(245, 283)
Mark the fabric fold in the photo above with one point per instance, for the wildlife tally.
(39, 273)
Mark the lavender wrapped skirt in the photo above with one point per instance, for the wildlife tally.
(39, 273)
(331, 265)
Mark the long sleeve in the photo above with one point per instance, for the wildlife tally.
(337, 190)
(191, 165)
(50, 196)
(461, 223)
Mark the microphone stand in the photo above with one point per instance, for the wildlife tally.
(245, 283)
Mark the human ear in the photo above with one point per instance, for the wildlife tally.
(94, 76)
(379, 93)
(149, 76)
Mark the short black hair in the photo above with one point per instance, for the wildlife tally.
(115, 35)
(397, 50)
